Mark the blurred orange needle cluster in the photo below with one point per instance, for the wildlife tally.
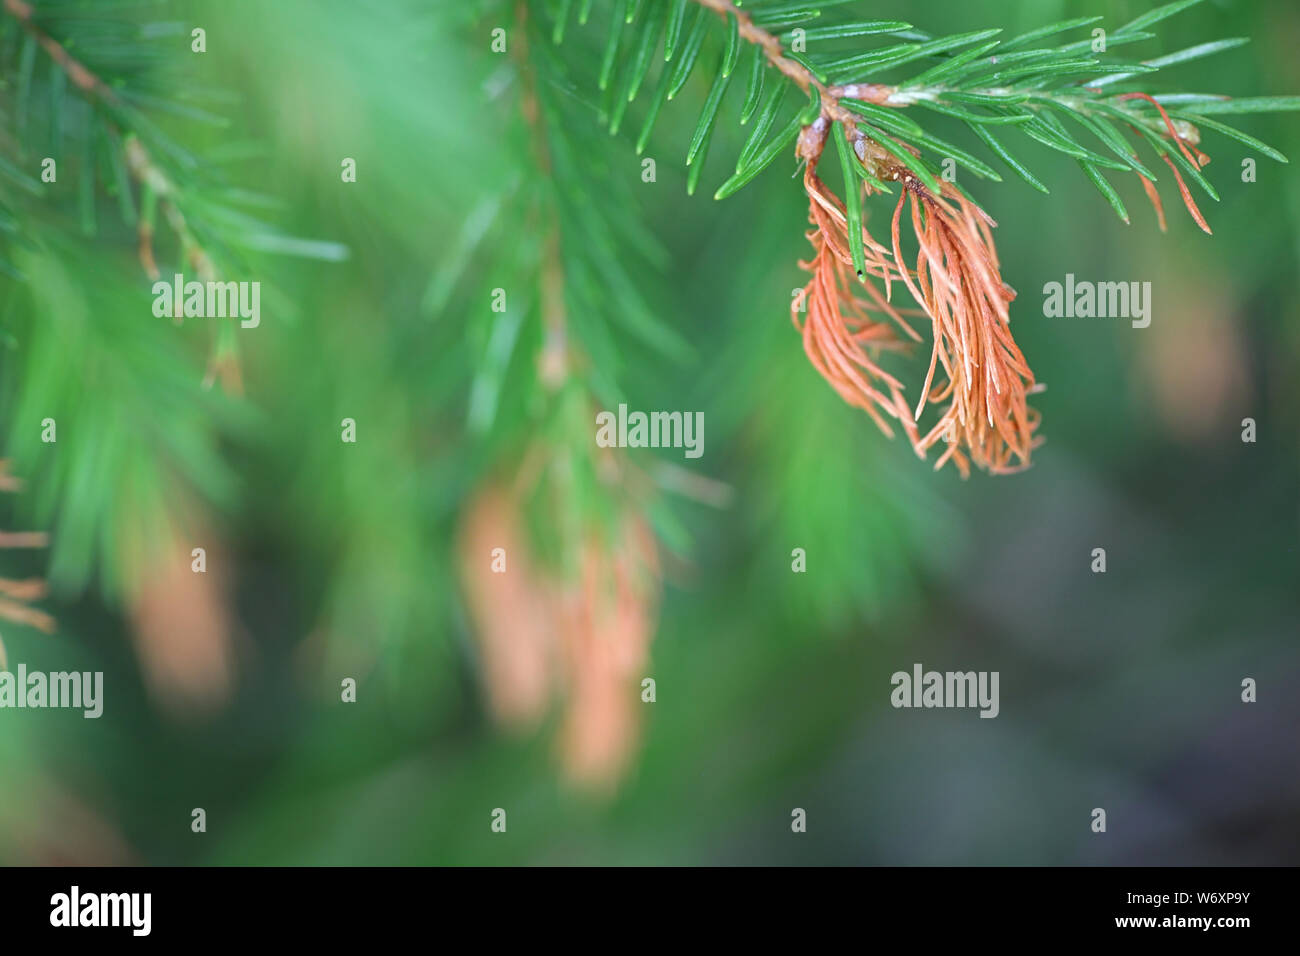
(15, 594)
(584, 639)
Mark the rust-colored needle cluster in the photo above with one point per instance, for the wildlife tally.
(977, 374)
(583, 638)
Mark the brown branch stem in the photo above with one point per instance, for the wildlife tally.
(555, 359)
(775, 53)
(138, 159)
(81, 77)
(140, 163)
(877, 159)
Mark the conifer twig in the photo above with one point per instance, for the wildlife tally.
(977, 374)
(141, 164)
(554, 360)
(879, 161)
(828, 97)
(81, 77)
(146, 171)
(775, 53)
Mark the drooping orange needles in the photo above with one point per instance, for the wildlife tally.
(1153, 194)
(984, 378)
(1193, 155)
(837, 325)
(958, 282)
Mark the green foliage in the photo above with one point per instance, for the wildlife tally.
(109, 481)
(150, 144)
(974, 77)
(124, 90)
(110, 109)
(345, 556)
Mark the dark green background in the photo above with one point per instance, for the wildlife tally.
(1118, 690)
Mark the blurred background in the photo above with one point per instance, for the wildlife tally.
(329, 560)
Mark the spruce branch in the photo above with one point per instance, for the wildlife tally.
(157, 188)
(583, 574)
(984, 81)
(82, 78)
(138, 158)
(1072, 97)
(554, 361)
(197, 209)
(794, 69)
(102, 99)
